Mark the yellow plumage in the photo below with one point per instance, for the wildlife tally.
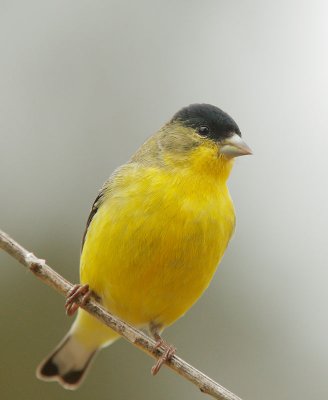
(156, 236)
(186, 218)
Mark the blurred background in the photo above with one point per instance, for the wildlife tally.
(82, 85)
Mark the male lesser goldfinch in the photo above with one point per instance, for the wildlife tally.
(154, 237)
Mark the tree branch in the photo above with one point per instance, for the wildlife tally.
(41, 270)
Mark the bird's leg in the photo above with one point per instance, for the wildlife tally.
(169, 350)
(77, 291)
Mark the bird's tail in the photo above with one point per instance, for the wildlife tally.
(67, 364)
(70, 360)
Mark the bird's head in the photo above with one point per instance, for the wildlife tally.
(203, 134)
(208, 124)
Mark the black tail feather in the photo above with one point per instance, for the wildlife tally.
(66, 365)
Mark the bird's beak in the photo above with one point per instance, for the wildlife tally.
(234, 147)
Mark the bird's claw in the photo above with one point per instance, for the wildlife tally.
(77, 291)
(169, 351)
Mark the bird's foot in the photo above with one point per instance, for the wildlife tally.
(169, 351)
(77, 291)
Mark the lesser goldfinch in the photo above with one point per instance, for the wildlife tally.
(155, 235)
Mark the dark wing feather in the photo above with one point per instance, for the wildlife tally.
(95, 206)
(114, 181)
(105, 190)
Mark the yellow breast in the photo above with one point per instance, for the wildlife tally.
(154, 244)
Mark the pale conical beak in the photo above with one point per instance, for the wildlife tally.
(234, 147)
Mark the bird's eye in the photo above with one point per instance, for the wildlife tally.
(203, 130)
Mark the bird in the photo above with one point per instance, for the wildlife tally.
(155, 235)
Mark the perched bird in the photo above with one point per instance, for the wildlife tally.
(154, 237)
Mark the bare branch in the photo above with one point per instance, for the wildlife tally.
(40, 269)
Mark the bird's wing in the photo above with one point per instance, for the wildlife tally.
(95, 206)
(105, 192)
(146, 156)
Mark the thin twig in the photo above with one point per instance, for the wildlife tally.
(40, 269)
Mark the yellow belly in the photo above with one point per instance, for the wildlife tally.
(154, 244)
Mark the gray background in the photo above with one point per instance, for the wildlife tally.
(82, 85)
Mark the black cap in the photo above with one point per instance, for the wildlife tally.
(207, 120)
